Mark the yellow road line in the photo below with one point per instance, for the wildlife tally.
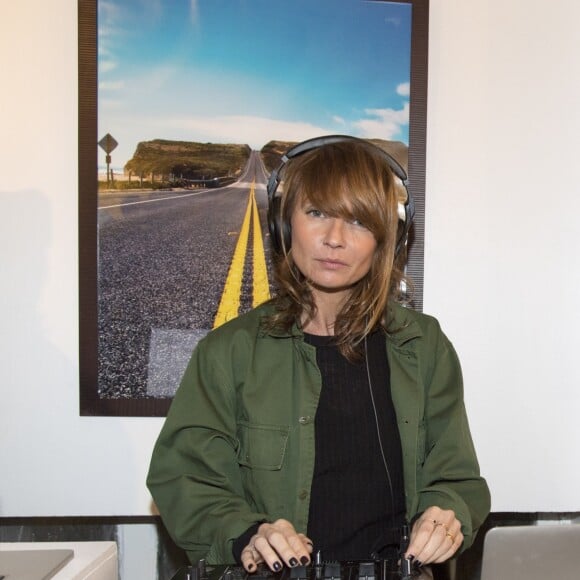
(230, 301)
(261, 285)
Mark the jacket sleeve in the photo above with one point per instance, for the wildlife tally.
(450, 476)
(194, 475)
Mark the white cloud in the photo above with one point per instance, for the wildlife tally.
(255, 131)
(104, 51)
(383, 123)
(107, 66)
(404, 89)
(111, 86)
(193, 12)
(110, 14)
(109, 104)
(108, 10)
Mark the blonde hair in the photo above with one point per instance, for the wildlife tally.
(350, 179)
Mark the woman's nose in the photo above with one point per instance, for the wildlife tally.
(334, 235)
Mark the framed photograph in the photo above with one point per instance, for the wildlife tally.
(184, 110)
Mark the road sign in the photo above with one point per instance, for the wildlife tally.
(108, 143)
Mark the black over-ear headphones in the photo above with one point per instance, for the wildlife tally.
(280, 233)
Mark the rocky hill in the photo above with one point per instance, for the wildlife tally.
(191, 160)
(273, 150)
(187, 159)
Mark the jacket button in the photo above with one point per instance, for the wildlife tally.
(303, 494)
(305, 420)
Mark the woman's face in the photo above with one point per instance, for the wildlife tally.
(332, 252)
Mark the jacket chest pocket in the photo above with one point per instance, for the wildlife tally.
(262, 446)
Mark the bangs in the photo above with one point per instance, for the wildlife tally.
(343, 200)
(352, 187)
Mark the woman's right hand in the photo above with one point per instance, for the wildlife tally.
(276, 544)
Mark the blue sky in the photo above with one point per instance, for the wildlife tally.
(248, 71)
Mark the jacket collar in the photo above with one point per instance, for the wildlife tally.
(403, 328)
(267, 310)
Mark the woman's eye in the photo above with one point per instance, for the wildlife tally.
(314, 212)
(357, 222)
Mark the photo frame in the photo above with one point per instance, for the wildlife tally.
(167, 347)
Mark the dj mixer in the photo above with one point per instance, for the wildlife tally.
(318, 570)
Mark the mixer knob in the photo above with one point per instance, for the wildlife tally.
(299, 573)
(332, 570)
(366, 571)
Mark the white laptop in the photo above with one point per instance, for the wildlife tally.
(32, 564)
(536, 552)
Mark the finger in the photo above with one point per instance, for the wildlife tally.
(441, 545)
(309, 545)
(292, 547)
(429, 535)
(420, 536)
(449, 547)
(278, 543)
(267, 553)
(426, 554)
(289, 547)
(307, 542)
(450, 542)
(302, 550)
(250, 558)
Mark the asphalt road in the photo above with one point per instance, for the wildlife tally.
(163, 262)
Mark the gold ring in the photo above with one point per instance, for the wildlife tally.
(436, 523)
(450, 536)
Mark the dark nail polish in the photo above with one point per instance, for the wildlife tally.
(304, 560)
(418, 563)
(277, 566)
(293, 562)
(251, 567)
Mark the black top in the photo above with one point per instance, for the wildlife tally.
(356, 502)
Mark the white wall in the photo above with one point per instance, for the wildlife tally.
(501, 270)
(503, 217)
(52, 462)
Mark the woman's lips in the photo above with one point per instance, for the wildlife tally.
(331, 264)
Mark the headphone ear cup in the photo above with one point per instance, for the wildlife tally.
(279, 231)
(273, 211)
(286, 236)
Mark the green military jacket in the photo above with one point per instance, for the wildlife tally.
(237, 446)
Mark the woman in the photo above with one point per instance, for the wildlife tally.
(330, 416)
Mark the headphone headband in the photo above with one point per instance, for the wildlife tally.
(280, 235)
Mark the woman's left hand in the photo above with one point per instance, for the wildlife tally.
(435, 536)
